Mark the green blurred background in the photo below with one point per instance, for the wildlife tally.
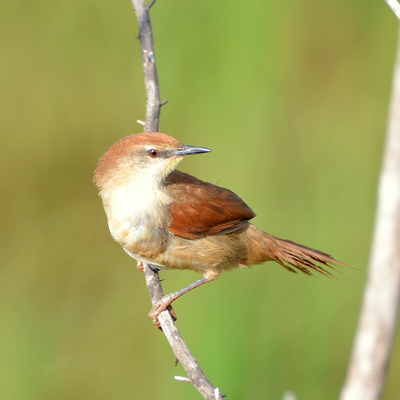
(292, 98)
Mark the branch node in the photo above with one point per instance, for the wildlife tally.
(150, 4)
(140, 122)
(182, 379)
(218, 395)
(150, 56)
(163, 103)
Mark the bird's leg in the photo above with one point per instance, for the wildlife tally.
(165, 302)
(140, 267)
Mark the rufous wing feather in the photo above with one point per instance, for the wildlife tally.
(201, 209)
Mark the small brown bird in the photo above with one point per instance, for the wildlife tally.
(170, 219)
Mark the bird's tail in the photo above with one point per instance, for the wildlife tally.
(294, 257)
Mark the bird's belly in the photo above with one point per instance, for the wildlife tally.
(140, 240)
(208, 253)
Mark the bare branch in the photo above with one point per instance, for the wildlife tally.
(149, 65)
(395, 6)
(195, 375)
(377, 324)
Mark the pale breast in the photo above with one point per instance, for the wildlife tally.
(135, 218)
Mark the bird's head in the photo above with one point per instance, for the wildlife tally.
(148, 156)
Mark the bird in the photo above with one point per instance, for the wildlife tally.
(172, 220)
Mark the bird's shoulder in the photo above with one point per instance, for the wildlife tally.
(201, 209)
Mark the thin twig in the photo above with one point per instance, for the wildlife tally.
(195, 375)
(149, 65)
(377, 325)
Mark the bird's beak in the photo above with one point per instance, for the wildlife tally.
(185, 150)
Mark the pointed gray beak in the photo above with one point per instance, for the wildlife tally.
(185, 150)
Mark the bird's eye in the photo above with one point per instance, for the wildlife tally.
(153, 153)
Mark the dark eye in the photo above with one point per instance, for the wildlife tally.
(153, 153)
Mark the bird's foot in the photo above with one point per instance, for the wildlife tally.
(163, 304)
(139, 266)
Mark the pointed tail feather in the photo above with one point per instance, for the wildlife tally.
(295, 256)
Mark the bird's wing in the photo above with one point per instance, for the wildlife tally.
(201, 209)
